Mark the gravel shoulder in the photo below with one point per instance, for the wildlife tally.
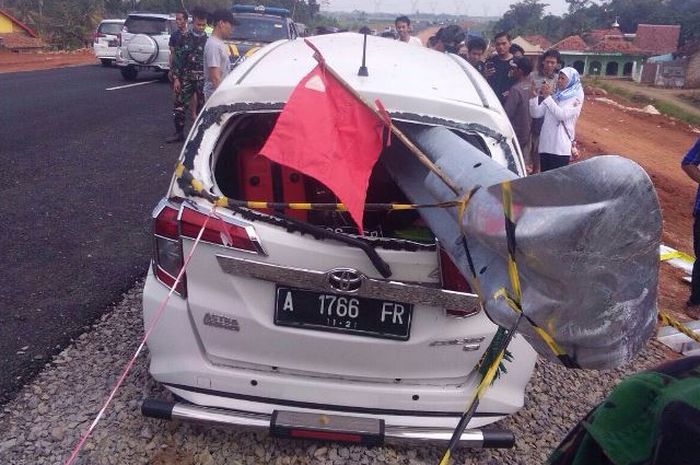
(44, 422)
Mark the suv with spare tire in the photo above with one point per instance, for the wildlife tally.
(143, 44)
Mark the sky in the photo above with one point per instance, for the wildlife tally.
(468, 7)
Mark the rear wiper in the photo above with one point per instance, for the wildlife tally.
(379, 264)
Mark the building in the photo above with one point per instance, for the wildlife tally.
(539, 40)
(692, 74)
(610, 52)
(531, 50)
(16, 36)
(678, 70)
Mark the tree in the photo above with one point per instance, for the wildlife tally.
(576, 5)
(552, 27)
(585, 19)
(523, 17)
(687, 14)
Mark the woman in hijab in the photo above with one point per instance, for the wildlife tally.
(560, 111)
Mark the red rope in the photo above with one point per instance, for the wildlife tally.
(149, 327)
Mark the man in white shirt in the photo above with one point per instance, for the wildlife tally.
(403, 27)
(217, 63)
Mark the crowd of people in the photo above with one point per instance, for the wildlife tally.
(198, 62)
(543, 104)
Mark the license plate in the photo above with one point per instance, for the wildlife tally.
(343, 313)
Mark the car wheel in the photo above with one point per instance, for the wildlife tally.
(106, 62)
(129, 73)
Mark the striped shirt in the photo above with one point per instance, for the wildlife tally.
(693, 158)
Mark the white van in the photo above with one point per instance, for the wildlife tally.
(106, 40)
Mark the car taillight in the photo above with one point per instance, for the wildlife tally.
(453, 280)
(167, 253)
(217, 231)
(172, 222)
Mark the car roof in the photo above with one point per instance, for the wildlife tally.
(112, 21)
(152, 15)
(263, 17)
(405, 77)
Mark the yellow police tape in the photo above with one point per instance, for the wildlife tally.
(668, 320)
(461, 205)
(182, 172)
(676, 254)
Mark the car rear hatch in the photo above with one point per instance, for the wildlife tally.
(292, 291)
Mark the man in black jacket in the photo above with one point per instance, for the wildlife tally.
(497, 67)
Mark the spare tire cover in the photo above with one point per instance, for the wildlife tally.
(143, 49)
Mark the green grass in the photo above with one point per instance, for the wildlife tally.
(671, 109)
(664, 106)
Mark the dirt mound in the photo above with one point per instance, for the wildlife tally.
(31, 61)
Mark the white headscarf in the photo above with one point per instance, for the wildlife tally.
(573, 86)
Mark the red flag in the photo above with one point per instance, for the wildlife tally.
(327, 133)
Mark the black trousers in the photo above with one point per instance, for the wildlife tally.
(695, 286)
(549, 161)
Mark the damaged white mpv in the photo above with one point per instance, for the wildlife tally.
(289, 320)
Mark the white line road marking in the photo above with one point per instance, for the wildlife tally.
(132, 85)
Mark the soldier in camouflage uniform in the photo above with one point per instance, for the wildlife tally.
(188, 72)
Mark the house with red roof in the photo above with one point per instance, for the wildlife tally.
(610, 52)
(16, 36)
(540, 40)
(531, 50)
(657, 39)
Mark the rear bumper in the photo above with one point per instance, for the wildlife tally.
(473, 438)
(181, 363)
(107, 53)
(155, 67)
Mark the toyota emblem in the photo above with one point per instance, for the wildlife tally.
(345, 280)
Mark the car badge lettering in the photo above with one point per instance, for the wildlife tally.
(221, 321)
(345, 280)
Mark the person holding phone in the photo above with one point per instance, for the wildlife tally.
(546, 74)
(560, 110)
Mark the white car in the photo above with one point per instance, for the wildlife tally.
(106, 40)
(143, 44)
(288, 320)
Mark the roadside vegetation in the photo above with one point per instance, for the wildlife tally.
(69, 24)
(665, 107)
(527, 17)
(692, 97)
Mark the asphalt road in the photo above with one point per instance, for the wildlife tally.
(82, 168)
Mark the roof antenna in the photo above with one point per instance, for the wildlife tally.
(363, 69)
